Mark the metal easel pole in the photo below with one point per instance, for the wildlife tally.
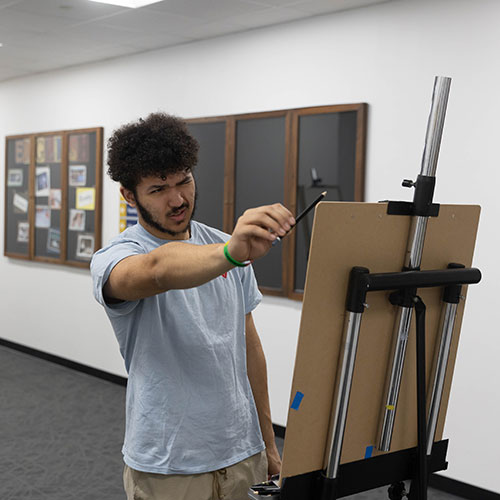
(356, 297)
(451, 299)
(422, 201)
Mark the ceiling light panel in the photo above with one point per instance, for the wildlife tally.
(131, 4)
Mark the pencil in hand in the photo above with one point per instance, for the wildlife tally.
(302, 215)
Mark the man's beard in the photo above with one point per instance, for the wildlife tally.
(151, 220)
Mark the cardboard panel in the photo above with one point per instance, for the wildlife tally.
(362, 234)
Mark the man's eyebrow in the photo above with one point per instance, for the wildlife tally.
(156, 186)
(186, 178)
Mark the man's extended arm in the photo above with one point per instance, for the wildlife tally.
(257, 375)
(179, 265)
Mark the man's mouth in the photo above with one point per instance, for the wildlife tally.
(178, 215)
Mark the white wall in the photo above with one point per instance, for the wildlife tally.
(384, 55)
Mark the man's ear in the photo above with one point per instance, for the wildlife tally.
(128, 195)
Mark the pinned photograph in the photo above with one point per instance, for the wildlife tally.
(76, 220)
(85, 198)
(42, 182)
(23, 232)
(42, 216)
(40, 149)
(85, 246)
(14, 177)
(20, 204)
(77, 175)
(55, 199)
(57, 148)
(78, 147)
(54, 241)
(22, 151)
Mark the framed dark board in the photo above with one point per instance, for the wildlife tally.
(260, 169)
(209, 173)
(53, 196)
(287, 156)
(326, 154)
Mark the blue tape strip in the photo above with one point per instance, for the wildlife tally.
(369, 451)
(297, 400)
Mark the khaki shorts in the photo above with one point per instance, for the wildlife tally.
(231, 483)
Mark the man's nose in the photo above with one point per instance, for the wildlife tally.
(175, 199)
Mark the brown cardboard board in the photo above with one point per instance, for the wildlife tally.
(362, 234)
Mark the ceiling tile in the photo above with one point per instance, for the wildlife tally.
(268, 17)
(141, 20)
(213, 29)
(151, 41)
(42, 35)
(279, 3)
(8, 3)
(37, 23)
(77, 10)
(206, 10)
(316, 7)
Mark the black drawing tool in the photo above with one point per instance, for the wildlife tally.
(303, 214)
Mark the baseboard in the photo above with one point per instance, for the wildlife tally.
(442, 483)
(459, 489)
(110, 377)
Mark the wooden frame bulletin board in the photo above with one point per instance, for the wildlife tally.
(363, 234)
(53, 196)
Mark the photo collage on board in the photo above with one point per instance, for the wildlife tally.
(48, 196)
(81, 198)
(18, 191)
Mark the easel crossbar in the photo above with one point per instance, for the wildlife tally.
(361, 282)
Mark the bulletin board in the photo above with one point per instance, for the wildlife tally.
(53, 198)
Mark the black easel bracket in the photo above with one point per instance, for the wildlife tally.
(363, 475)
(361, 282)
(422, 205)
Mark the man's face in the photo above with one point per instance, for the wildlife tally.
(166, 204)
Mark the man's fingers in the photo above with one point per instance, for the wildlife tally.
(275, 218)
(255, 231)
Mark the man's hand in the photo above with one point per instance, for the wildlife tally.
(256, 230)
(273, 460)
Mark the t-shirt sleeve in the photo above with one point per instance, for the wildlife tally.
(101, 266)
(251, 290)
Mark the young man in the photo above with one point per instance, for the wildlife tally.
(180, 296)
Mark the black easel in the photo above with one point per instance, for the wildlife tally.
(414, 463)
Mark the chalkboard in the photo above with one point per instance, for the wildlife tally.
(259, 175)
(209, 172)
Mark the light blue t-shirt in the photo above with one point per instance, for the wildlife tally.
(190, 407)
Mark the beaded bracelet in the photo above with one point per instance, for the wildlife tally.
(234, 261)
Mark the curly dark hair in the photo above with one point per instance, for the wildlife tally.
(159, 145)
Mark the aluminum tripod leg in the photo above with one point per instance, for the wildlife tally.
(450, 312)
(414, 256)
(451, 299)
(351, 335)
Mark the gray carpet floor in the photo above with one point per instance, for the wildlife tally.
(61, 433)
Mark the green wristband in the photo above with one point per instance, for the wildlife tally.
(234, 261)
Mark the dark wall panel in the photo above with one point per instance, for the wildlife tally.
(209, 173)
(260, 171)
(326, 158)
